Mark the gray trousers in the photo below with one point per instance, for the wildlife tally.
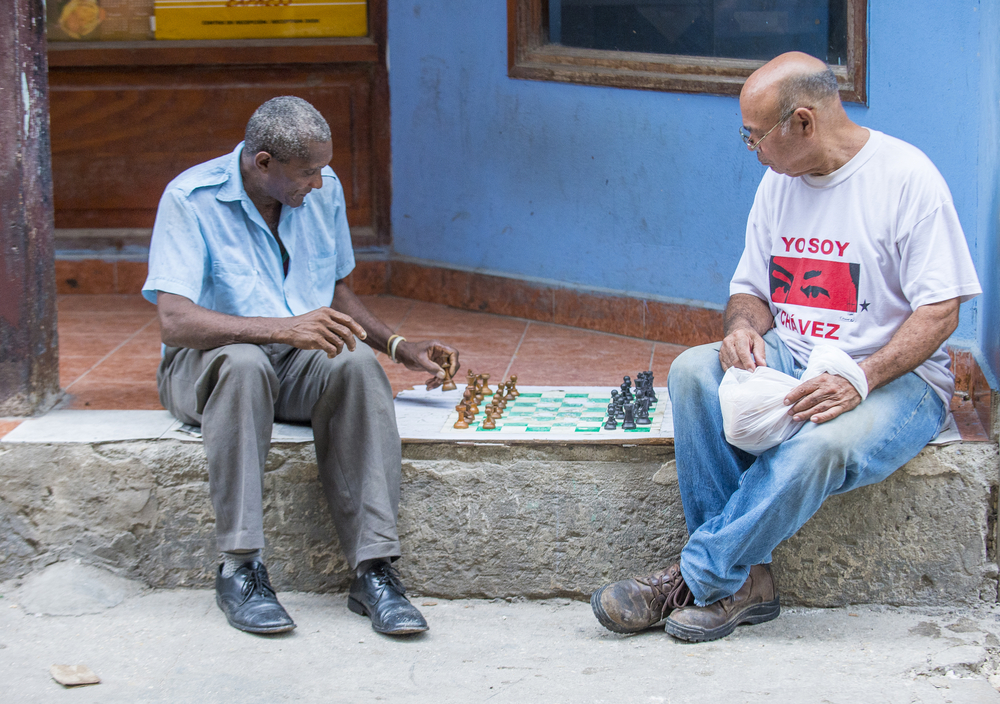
(236, 392)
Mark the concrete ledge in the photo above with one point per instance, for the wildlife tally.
(496, 521)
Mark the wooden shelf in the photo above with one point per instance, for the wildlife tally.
(214, 52)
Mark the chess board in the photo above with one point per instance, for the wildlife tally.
(557, 410)
(539, 413)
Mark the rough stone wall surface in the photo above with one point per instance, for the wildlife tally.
(495, 521)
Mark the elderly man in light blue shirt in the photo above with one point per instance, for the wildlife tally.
(246, 268)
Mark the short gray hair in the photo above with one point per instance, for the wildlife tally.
(284, 127)
(806, 90)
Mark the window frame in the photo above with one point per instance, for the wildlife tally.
(531, 57)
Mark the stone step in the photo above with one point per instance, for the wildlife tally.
(493, 520)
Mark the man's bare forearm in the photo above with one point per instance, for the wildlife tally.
(347, 302)
(746, 311)
(183, 323)
(914, 342)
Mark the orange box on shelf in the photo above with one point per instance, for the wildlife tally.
(258, 19)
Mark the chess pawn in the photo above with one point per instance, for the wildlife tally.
(498, 400)
(479, 389)
(462, 423)
(610, 423)
(513, 385)
(488, 422)
(508, 394)
(629, 420)
(466, 400)
(496, 409)
(620, 409)
(448, 384)
(486, 384)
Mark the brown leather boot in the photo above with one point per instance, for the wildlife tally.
(633, 605)
(755, 602)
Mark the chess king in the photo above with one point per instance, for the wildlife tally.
(852, 240)
(246, 268)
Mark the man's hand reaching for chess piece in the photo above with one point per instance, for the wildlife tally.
(430, 356)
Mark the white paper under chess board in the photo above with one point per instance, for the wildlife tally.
(428, 415)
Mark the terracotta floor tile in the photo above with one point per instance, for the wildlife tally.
(144, 344)
(89, 344)
(969, 426)
(104, 303)
(88, 395)
(663, 356)
(122, 368)
(389, 309)
(71, 368)
(103, 323)
(587, 355)
(558, 367)
(8, 425)
(430, 319)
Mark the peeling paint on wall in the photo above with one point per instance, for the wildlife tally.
(25, 102)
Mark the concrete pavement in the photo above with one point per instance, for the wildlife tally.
(175, 646)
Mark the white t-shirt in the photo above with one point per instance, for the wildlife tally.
(843, 259)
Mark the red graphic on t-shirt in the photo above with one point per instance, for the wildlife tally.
(816, 283)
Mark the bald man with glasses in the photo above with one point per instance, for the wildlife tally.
(852, 241)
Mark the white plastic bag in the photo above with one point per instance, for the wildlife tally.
(754, 415)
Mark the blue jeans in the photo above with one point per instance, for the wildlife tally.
(739, 507)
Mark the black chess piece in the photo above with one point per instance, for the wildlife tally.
(629, 420)
(620, 408)
(626, 388)
(610, 423)
(642, 411)
(649, 388)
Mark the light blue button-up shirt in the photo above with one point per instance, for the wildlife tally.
(211, 245)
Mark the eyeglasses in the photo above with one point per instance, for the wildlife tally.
(752, 146)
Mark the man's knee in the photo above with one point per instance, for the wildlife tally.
(243, 366)
(244, 358)
(696, 367)
(361, 362)
(815, 455)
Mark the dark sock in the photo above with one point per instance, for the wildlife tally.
(233, 560)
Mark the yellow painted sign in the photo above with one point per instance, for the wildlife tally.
(257, 19)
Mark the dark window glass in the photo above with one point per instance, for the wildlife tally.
(738, 29)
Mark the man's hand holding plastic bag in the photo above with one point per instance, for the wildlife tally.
(755, 403)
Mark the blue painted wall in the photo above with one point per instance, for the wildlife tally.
(648, 192)
(988, 211)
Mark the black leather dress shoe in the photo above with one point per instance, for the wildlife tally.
(249, 602)
(378, 594)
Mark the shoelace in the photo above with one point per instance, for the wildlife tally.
(386, 574)
(256, 581)
(669, 592)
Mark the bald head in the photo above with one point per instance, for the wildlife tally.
(789, 81)
(793, 100)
